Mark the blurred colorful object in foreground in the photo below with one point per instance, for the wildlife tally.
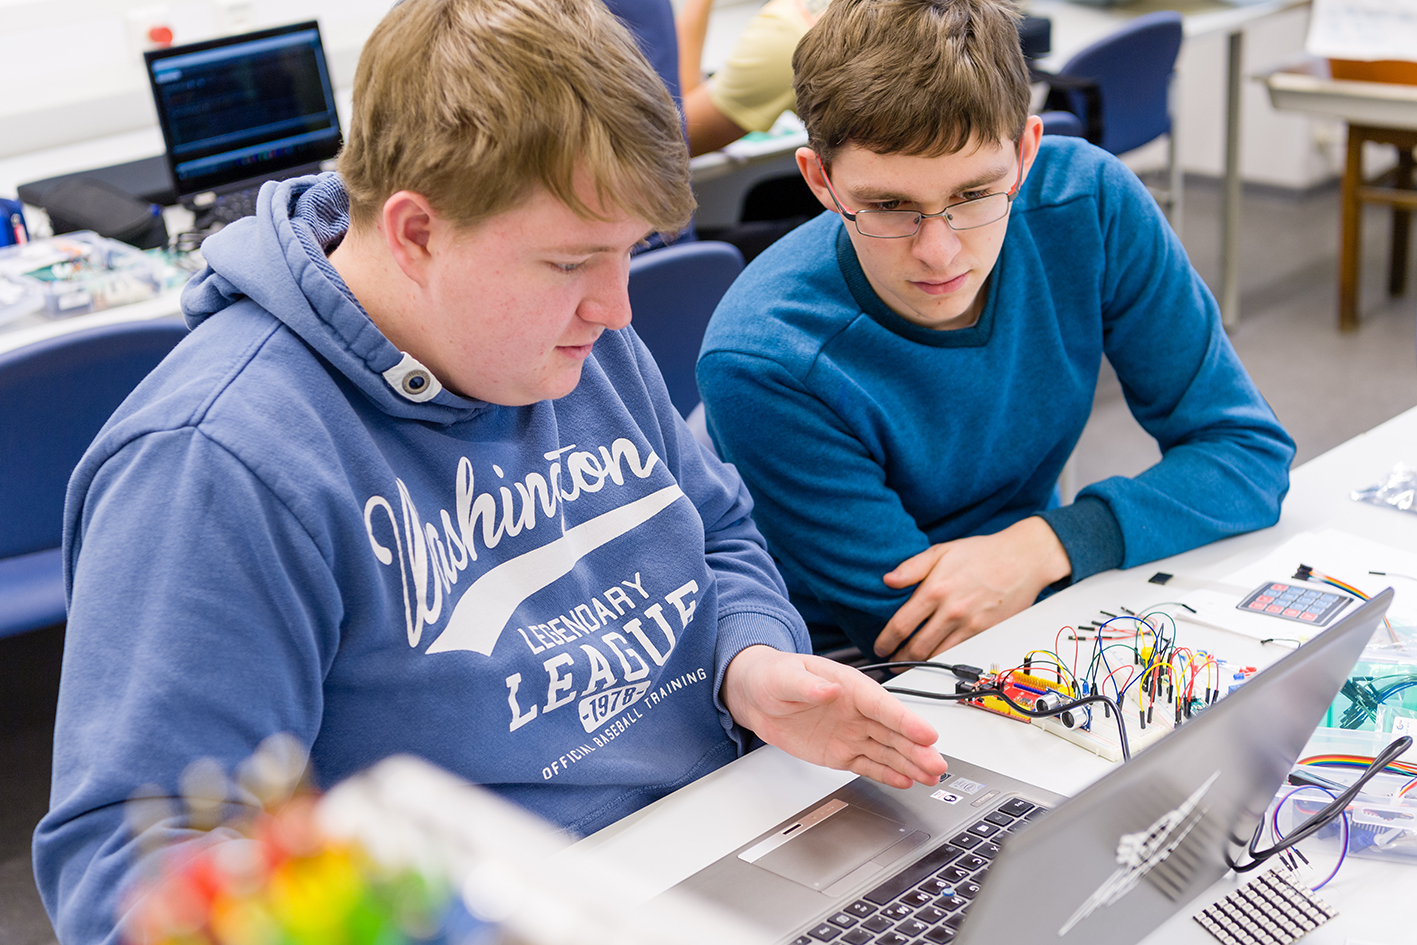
(285, 884)
(402, 854)
(275, 878)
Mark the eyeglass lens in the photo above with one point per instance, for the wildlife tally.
(967, 215)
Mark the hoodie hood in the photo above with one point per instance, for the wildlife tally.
(278, 259)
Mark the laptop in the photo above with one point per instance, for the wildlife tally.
(241, 110)
(982, 858)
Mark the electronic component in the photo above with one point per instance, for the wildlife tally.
(1088, 701)
(1087, 726)
(1101, 739)
(1135, 663)
(1379, 696)
(1274, 908)
(1298, 602)
(1019, 685)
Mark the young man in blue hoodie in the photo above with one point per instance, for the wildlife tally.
(901, 380)
(412, 485)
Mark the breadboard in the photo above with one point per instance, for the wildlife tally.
(1101, 737)
(1091, 728)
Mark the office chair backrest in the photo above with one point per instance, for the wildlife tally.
(1061, 123)
(55, 395)
(673, 291)
(1132, 68)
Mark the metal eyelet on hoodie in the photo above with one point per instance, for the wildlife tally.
(412, 380)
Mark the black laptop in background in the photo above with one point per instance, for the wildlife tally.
(241, 110)
(235, 112)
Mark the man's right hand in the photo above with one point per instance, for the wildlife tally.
(966, 586)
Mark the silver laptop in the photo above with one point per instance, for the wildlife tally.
(982, 858)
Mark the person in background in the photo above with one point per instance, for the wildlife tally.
(901, 380)
(412, 484)
(754, 87)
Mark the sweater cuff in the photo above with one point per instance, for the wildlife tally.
(737, 632)
(1090, 535)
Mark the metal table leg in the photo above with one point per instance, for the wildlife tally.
(1230, 198)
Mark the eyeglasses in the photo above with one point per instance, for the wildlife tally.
(899, 224)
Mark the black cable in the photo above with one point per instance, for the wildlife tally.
(960, 670)
(973, 673)
(1325, 815)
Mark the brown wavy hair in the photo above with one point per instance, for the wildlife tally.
(919, 77)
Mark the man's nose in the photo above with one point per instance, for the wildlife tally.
(936, 244)
(608, 302)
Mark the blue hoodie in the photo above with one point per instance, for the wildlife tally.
(269, 536)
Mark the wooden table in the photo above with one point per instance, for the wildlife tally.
(1373, 111)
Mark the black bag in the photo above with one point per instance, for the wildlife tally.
(83, 203)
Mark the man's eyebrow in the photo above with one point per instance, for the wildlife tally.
(868, 194)
(590, 249)
(584, 249)
(986, 177)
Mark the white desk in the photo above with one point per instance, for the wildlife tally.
(693, 827)
(1307, 88)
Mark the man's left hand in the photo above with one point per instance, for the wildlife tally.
(831, 715)
(966, 586)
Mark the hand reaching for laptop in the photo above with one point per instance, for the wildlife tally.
(831, 715)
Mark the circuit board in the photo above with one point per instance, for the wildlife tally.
(1024, 688)
(1086, 726)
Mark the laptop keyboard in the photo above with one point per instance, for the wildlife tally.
(228, 208)
(927, 901)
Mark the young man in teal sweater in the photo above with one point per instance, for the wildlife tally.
(901, 380)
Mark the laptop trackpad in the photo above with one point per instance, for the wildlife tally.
(833, 842)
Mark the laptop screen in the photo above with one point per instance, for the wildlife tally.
(245, 107)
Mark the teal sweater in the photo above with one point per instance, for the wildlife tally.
(865, 439)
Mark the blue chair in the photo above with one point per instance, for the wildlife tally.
(1120, 90)
(673, 291)
(55, 395)
(1061, 123)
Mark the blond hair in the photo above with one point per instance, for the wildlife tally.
(472, 103)
(919, 77)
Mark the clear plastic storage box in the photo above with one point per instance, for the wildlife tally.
(75, 273)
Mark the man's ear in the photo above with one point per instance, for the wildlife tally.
(1032, 138)
(811, 170)
(409, 222)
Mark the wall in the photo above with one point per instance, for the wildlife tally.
(82, 76)
(83, 79)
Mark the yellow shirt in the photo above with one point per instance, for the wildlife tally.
(754, 86)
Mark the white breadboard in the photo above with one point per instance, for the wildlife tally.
(1100, 737)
